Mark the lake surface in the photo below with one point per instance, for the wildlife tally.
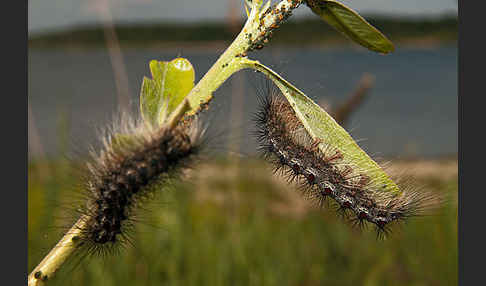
(411, 110)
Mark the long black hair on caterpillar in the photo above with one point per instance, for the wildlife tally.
(284, 141)
(135, 160)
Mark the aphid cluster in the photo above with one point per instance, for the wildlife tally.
(284, 141)
(278, 15)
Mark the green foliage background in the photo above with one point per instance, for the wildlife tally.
(238, 225)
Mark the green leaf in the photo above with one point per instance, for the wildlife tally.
(321, 126)
(170, 83)
(351, 24)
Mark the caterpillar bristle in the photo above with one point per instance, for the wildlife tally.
(324, 174)
(135, 160)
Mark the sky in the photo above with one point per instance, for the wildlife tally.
(47, 15)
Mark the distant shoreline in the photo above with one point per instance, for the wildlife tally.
(216, 36)
(215, 46)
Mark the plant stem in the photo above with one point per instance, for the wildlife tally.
(255, 33)
(57, 256)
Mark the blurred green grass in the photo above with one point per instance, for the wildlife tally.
(236, 224)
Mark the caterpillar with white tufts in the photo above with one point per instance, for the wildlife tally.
(284, 141)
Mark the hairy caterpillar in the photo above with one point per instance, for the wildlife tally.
(135, 160)
(284, 141)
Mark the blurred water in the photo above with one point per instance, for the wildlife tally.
(412, 109)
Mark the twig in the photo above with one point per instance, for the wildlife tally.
(258, 28)
(262, 20)
(57, 256)
(343, 112)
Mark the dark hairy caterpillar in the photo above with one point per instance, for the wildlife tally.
(287, 145)
(135, 161)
